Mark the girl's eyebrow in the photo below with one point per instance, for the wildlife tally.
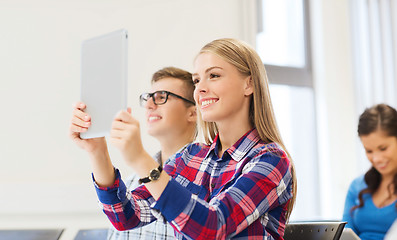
(207, 70)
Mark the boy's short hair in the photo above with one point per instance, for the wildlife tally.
(173, 72)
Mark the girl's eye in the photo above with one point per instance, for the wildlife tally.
(213, 75)
(195, 81)
(383, 148)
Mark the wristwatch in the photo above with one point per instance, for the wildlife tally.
(154, 174)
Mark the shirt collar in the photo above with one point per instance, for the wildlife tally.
(240, 148)
(157, 157)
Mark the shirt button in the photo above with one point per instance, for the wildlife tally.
(213, 185)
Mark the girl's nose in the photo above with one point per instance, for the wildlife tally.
(376, 157)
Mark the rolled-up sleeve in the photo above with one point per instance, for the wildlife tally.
(124, 209)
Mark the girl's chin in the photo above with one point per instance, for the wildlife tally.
(210, 117)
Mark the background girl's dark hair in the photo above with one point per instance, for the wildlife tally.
(379, 117)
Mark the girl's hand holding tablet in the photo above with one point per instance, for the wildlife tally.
(80, 122)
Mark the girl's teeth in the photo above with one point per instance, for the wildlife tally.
(207, 102)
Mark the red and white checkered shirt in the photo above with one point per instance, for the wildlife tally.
(242, 194)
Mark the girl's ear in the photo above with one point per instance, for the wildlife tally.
(248, 86)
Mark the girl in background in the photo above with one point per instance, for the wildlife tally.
(371, 202)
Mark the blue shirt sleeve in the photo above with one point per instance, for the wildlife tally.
(352, 200)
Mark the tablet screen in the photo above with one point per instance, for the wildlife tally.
(104, 80)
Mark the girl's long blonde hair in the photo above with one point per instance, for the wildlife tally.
(261, 114)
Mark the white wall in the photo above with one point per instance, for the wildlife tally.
(335, 102)
(41, 170)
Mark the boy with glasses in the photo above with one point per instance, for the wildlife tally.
(171, 119)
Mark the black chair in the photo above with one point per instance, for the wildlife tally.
(314, 230)
(92, 234)
(31, 234)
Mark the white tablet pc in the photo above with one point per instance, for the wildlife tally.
(104, 80)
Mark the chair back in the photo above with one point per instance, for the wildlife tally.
(92, 234)
(29, 234)
(314, 230)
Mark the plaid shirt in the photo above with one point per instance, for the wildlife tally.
(242, 194)
(156, 230)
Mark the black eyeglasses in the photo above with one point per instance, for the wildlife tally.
(159, 98)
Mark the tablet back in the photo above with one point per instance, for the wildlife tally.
(104, 80)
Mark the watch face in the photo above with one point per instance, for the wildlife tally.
(154, 174)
